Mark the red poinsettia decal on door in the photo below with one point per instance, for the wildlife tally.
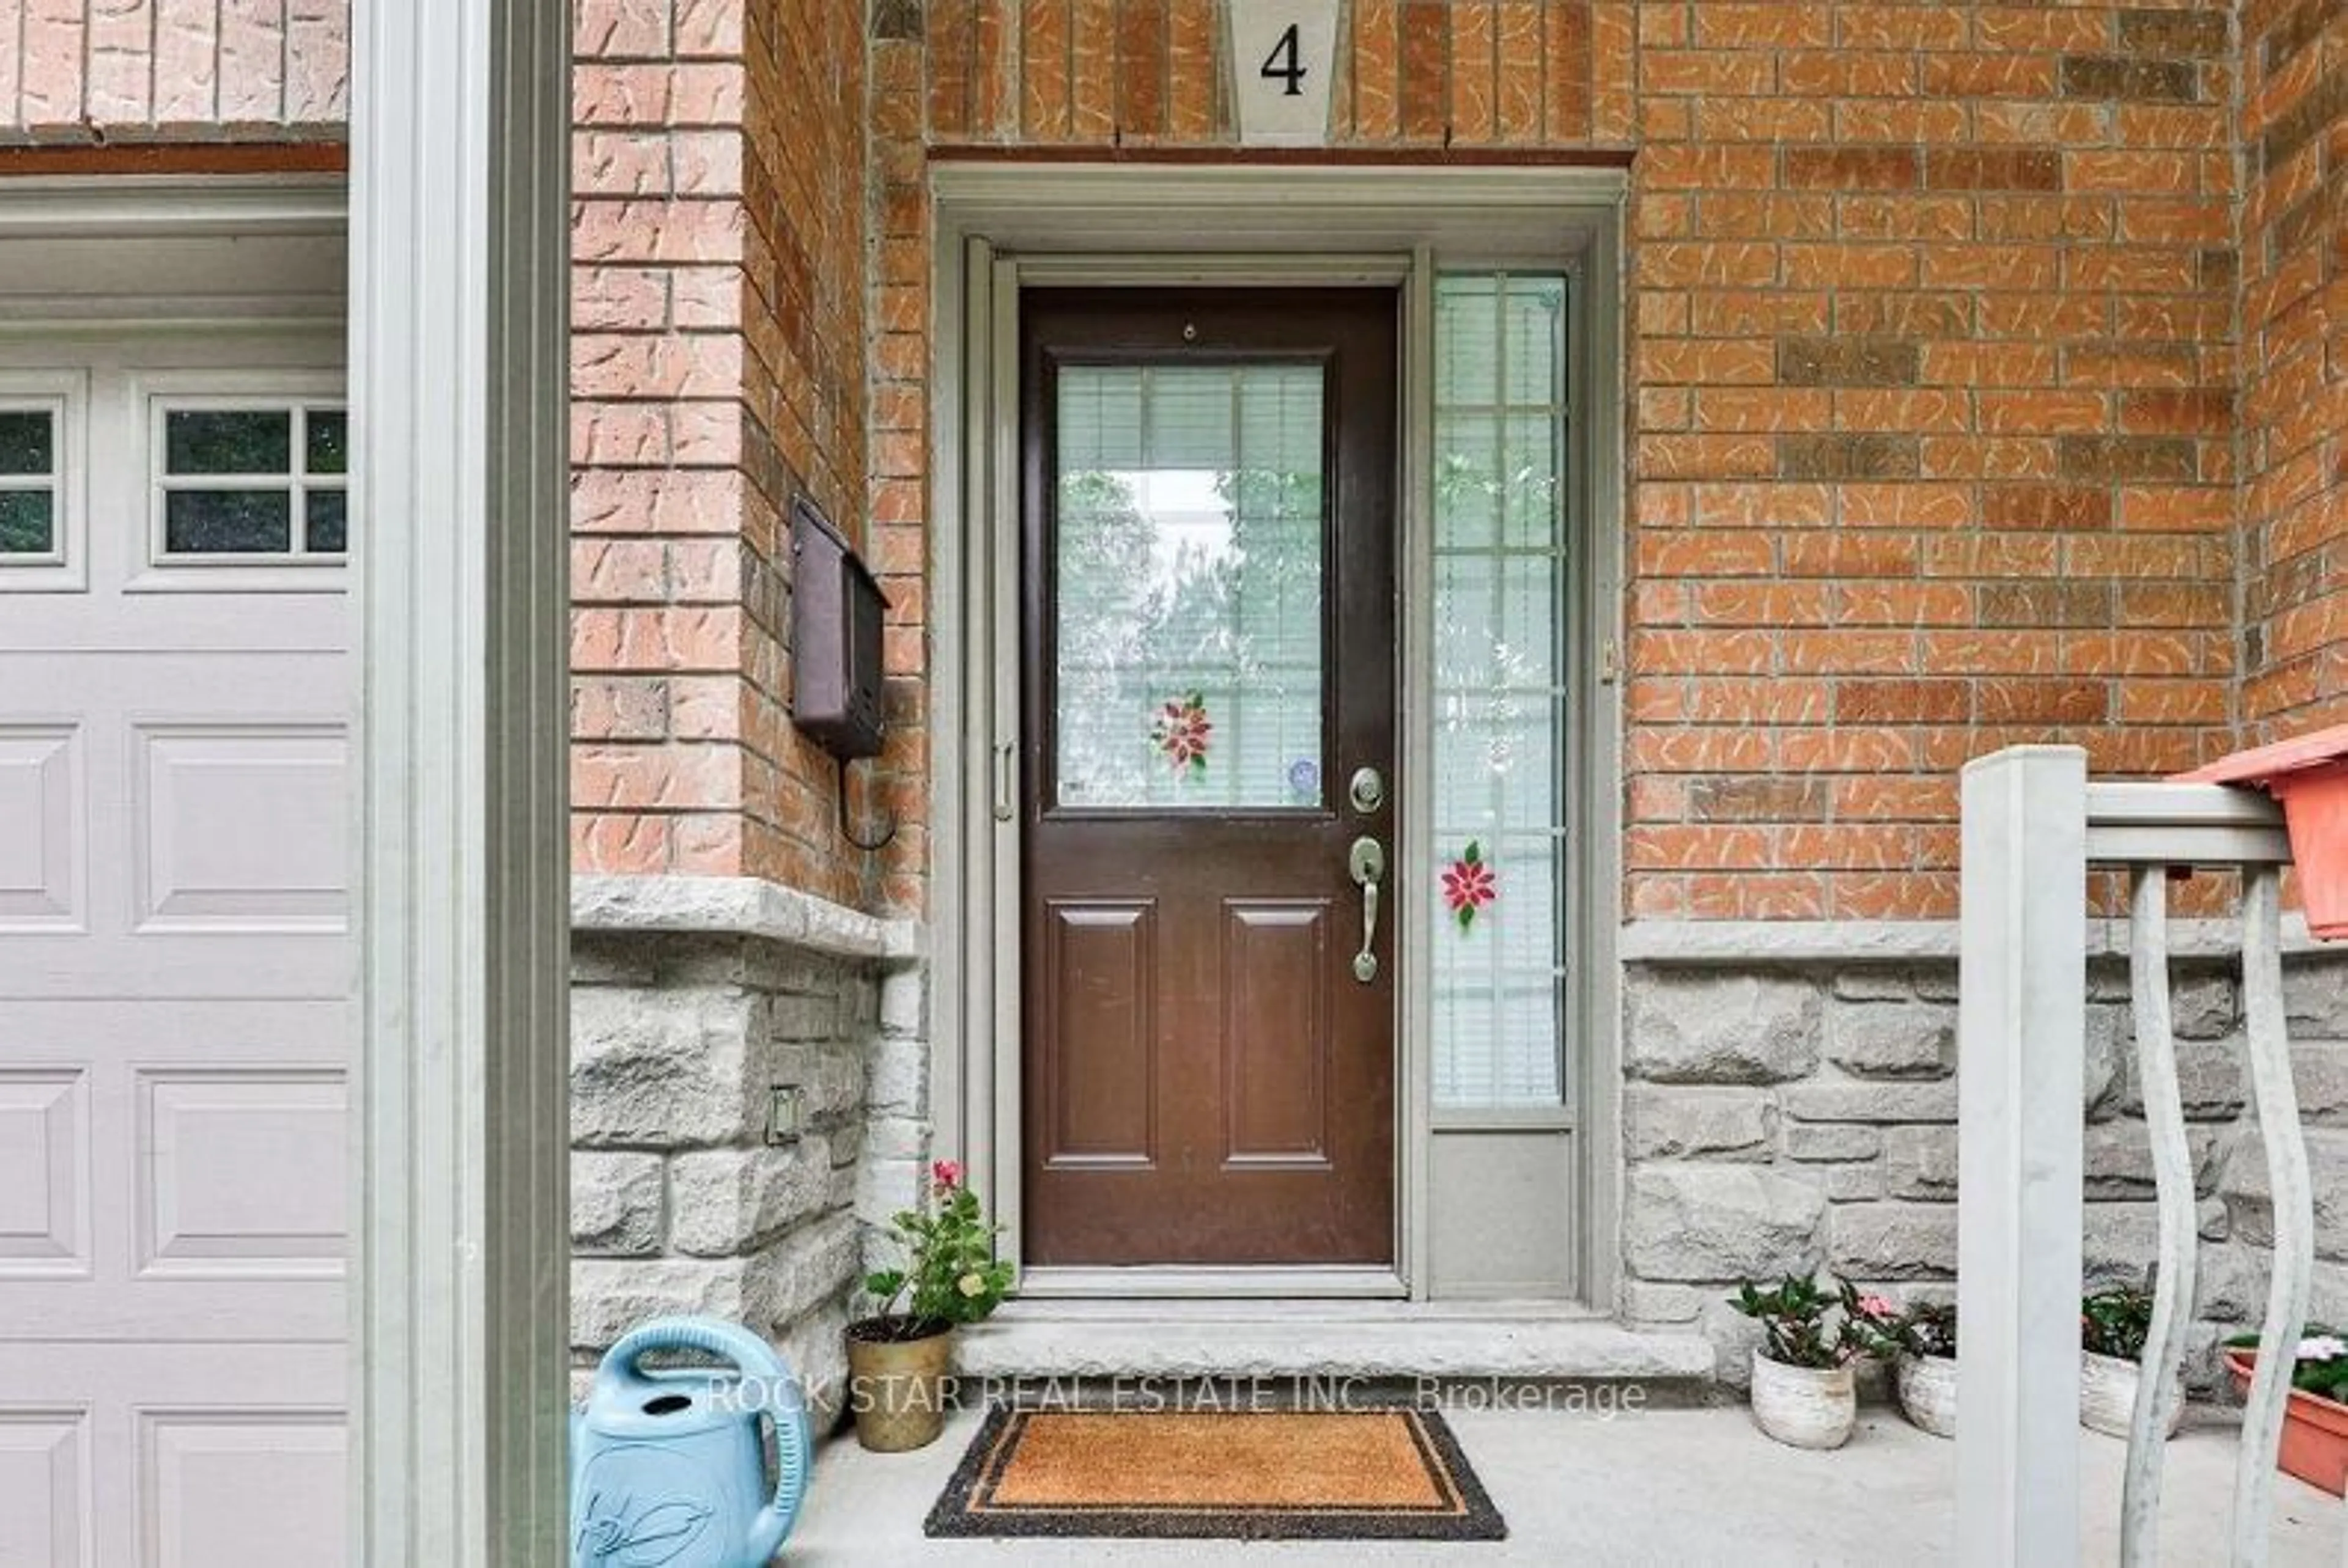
(1180, 731)
(1468, 885)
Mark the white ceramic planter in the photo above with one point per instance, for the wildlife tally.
(1927, 1386)
(1804, 1407)
(2107, 1395)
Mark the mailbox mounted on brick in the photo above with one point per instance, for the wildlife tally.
(836, 609)
(835, 649)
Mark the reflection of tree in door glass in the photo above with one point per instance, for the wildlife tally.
(1189, 557)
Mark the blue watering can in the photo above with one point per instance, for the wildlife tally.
(668, 1470)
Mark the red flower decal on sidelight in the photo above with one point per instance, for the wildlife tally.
(1180, 731)
(1468, 885)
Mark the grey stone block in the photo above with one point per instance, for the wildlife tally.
(2203, 1006)
(665, 1069)
(727, 1200)
(1853, 1183)
(1895, 1241)
(1920, 1162)
(1893, 1039)
(1879, 1102)
(615, 1204)
(1831, 1141)
(1660, 1122)
(1719, 1222)
(2249, 1198)
(1701, 1028)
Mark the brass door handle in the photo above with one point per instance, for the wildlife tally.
(1367, 865)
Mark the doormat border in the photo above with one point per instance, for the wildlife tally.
(1477, 1518)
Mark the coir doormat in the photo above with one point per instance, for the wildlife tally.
(1350, 1475)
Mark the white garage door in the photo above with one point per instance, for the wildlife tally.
(175, 958)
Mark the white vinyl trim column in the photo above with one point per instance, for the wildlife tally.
(2021, 1036)
(460, 250)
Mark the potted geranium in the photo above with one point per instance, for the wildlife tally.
(1804, 1394)
(898, 1357)
(2315, 1421)
(2113, 1326)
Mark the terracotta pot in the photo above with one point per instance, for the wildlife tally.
(2314, 1430)
(2309, 775)
(1927, 1386)
(1804, 1407)
(2107, 1395)
(898, 1388)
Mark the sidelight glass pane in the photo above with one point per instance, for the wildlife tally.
(1501, 807)
(1189, 553)
(325, 522)
(326, 437)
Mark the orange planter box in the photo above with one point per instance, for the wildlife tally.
(2308, 776)
(2315, 1431)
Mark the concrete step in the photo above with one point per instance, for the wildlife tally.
(1325, 1339)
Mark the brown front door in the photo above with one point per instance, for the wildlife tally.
(1208, 648)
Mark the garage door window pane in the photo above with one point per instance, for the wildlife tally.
(1500, 584)
(239, 482)
(326, 524)
(28, 523)
(27, 442)
(30, 475)
(328, 436)
(227, 522)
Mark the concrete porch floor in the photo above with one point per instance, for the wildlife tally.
(1695, 1486)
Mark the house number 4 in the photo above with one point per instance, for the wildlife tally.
(1284, 63)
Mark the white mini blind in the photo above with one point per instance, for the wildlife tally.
(1500, 691)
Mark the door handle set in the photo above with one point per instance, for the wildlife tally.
(1367, 865)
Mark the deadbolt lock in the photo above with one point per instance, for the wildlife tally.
(1368, 790)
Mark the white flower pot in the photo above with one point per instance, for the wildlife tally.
(2107, 1395)
(1927, 1386)
(1804, 1407)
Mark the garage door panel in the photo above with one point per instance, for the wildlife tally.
(200, 1472)
(43, 826)
(45, 1488)
(241, 827)
(45, 1173)
(240, 1174)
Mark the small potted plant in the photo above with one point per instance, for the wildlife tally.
(2113, 1326)
(1804, 1394)
(1921, 1345)
(898, 1357)
(2315, 1421)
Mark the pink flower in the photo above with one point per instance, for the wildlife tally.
(1878, 1306)
(946, 1174)
(1468, 885)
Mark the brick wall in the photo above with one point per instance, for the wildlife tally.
(113, 70)
(2295, 257)
(718, 369)
(1931, 309)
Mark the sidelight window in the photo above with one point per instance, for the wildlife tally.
(32, 479)
(1501, 694)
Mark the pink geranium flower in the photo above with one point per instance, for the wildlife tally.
(946, 1174)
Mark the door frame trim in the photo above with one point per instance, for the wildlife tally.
(1001, 226)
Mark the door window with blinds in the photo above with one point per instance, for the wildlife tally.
(1501, 694)
(1189, 554)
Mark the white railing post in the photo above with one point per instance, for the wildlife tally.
(2161, 1386)
(2020, 1076)
(2294, 1211)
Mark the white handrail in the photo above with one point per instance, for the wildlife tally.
(2033, 824)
